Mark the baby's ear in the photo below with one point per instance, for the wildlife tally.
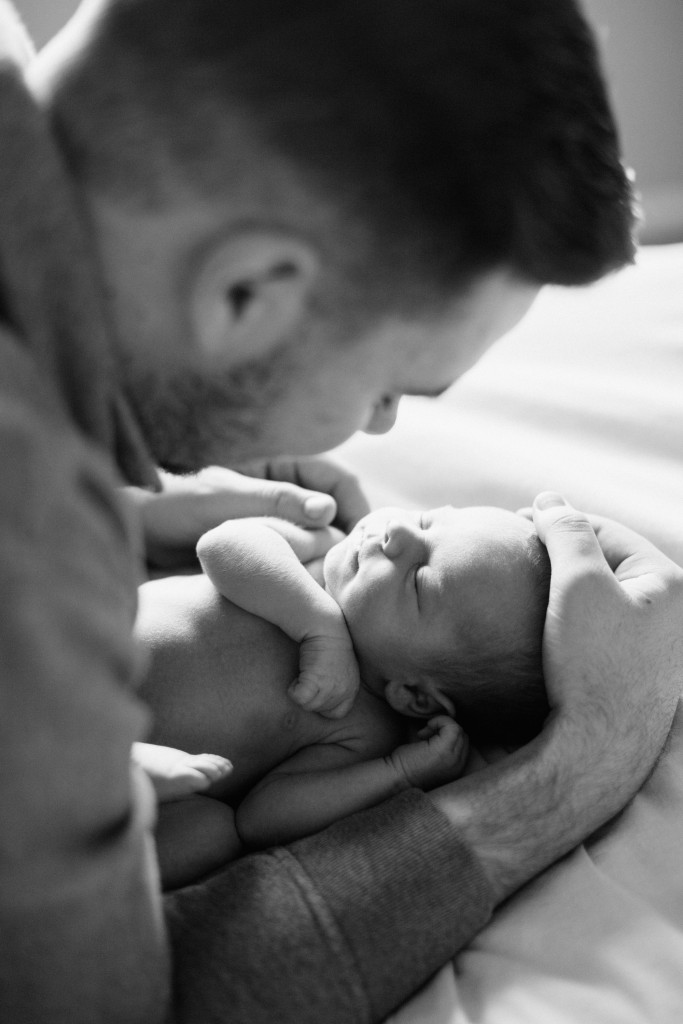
(421, 699)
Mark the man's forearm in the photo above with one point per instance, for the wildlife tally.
(523, 813)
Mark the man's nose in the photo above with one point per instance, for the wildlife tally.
(383, 415)
(400, 539)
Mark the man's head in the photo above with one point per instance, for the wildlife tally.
(446, 611)
(274, 181)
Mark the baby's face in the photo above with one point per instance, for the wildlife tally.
(413, 584)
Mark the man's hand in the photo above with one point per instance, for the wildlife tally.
(312, 477)
(613, 663)
(613, 635)
(311, 492)
(328, 678)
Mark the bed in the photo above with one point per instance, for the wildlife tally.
(585, 397)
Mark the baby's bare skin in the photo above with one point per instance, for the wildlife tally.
(219, 683)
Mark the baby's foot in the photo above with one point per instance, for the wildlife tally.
(175, 773)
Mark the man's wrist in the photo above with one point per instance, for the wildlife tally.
(526, 811)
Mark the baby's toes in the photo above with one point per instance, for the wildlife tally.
(206, 769)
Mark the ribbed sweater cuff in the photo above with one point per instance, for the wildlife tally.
(402, 891)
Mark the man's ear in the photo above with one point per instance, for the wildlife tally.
(421, 699)
(249, 291)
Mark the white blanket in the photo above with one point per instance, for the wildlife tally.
(585, 397)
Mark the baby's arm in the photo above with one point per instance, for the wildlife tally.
(323, 783)
(257, 564)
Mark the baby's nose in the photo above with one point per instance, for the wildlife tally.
(399, 538)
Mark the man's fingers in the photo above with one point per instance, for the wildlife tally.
(310, 492)
(227, 494)
(567, 534)
(352, 504)
(627, 553)
(287, 501)
(329, 478)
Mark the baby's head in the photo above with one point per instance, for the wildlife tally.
(446, 611)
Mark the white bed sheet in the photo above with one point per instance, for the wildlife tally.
(586, 397)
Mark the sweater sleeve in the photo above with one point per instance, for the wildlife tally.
(341, 927)
(82, 936)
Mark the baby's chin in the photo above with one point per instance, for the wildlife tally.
(338, 567)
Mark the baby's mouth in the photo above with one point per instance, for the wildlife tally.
(356, 553)
(371, 544)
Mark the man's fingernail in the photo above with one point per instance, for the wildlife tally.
(316, 506)
(549, 499)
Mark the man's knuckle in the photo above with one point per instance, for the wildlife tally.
(281, 500)
(573, 522)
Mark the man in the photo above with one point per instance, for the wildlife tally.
(230, 231)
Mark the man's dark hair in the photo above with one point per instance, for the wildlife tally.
(464, 134)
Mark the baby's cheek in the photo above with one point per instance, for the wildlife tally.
(335, 561)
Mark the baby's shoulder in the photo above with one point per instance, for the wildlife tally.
(371, 728)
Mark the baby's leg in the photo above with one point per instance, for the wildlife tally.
(194, 837)
(176, 774)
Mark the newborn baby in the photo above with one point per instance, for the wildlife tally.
(443, 611)
(446, 607)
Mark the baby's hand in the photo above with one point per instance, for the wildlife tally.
(307, 542)
(176, 774)
(328, 678)
(437, 757)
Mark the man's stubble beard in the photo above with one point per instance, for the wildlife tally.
(192, 417)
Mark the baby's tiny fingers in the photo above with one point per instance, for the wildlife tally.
(439, 724)
(339, 710)
(305, 693)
